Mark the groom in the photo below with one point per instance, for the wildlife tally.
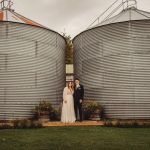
(78, 98)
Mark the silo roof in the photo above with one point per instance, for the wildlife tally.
(12, 16)
(127, 15)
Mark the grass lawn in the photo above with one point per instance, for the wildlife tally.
(75, 138)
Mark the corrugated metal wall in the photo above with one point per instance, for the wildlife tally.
(32, 68)
(113, 64)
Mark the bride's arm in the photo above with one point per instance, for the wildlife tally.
(65, 94)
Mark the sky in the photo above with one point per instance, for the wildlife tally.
(69, 16)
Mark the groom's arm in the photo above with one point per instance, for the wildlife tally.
(82, 92)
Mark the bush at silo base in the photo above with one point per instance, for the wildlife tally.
(5, 126)
(127, 123)
(23, 124)
(92, 110)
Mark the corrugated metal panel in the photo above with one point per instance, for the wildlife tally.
(32, 68)
(113, 63)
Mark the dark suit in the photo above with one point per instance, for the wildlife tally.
(78, 95)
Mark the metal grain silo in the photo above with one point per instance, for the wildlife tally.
(32, 65)
(112, 61)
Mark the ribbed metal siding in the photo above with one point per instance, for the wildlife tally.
(32, 68)
(113, 64)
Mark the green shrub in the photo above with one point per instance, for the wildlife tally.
(19, 124)
(44, 108)
(55, 115)
(129, 124)
(5, 126)
(90, 107)
(115, 123)
(37, 124)
(108, 123)
(135, 123)
(126, 123)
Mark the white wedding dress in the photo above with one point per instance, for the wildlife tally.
(68, 113)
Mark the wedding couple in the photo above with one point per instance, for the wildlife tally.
(72, 102)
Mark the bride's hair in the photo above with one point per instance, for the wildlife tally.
(72, 86)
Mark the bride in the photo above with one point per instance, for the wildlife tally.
(68, 113)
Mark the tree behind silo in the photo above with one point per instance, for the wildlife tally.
(69, 49)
